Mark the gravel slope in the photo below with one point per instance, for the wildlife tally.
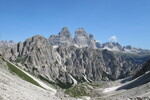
(38, 81)
(14, 88)
(117, 90)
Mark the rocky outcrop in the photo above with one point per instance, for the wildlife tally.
(143, 70)
(82, 39)
(96, 64)
(92, 42)
(140, 98)
(63, 38)
(135, 50)
(5, 48)
(4, 43)
(98, 45)
(36, 56)
(2, 62)
(112, 46)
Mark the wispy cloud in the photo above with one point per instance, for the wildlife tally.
(98, 40)
(113, 39)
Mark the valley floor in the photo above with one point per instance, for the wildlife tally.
(125, 89)
(13, 87)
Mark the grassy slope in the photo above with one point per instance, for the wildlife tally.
(21, 74)
(82, 89)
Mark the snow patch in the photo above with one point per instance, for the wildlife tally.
(74, 80)
(111, 49)
(76, 45)
(86, 98)
(106, 90)
(86, 78)
(55, 47)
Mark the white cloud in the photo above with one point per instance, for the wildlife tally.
(113, 39)
(98, 41)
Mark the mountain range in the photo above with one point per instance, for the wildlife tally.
(65, 61)
(82, 39)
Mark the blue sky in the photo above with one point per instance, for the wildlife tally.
(128, 20)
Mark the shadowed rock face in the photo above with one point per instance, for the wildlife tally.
(143, 70)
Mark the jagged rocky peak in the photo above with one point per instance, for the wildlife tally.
(5, 47)
(92, 42)
(35, 41)
(132, 49)
(23, 48)
(129, 47)
(91, 36)
(112, 46)
(36, 37)
(65, 32)
(5, 43)
(98, 45)
(63, 38)
(81, 32)
(82, 39)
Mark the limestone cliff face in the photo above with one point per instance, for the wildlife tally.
(5, 48)
(36, 56)
(42, 60)
(82, 39)
(96, 64)
(63, 38)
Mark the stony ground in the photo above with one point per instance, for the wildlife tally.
(14, 88)
(110, 90)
